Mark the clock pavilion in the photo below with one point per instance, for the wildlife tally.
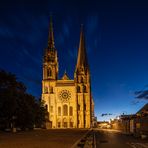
(69, 102)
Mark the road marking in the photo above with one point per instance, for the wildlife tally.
(130, 144)
(143, 145)
(138, 145)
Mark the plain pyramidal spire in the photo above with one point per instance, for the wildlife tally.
(51, 35)
(82, 55)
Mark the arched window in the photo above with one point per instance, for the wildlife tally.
(78, 89)
(84, 89)
(70, 111)
(65, 110)
(49, 72)
(59, 111)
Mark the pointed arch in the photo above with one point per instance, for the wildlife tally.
(65, 110)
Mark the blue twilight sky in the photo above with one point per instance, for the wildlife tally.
(116, 40)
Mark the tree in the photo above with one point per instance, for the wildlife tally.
(40, 114)
(16, 106)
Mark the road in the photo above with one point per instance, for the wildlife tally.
(115, 139)
(63, 138)
(66, 138)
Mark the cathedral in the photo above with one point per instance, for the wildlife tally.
(69, 102)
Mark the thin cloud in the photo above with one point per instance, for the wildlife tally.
(142, 94)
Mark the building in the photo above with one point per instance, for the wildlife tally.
(68, 102)
(103, 125)
(136, 124)
(141, 121)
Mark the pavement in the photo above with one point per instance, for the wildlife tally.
(116, 139)
(54, 138)
(70, 138)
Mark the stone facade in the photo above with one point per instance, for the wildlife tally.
(68, 102)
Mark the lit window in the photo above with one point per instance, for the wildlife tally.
(65, 110)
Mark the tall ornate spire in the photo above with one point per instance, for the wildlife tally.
(50, 59)
(51, 36)
(82, 56)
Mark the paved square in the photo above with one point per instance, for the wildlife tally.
(54, 138)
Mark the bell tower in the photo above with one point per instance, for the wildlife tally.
(50, 60)
(82, 82)
(82, 74)
(68, 101)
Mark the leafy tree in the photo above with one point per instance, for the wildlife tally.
(16, 106)
(40, 114)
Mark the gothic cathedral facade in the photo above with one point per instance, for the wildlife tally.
(69, 102)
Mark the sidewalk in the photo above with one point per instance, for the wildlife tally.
(136, 135)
